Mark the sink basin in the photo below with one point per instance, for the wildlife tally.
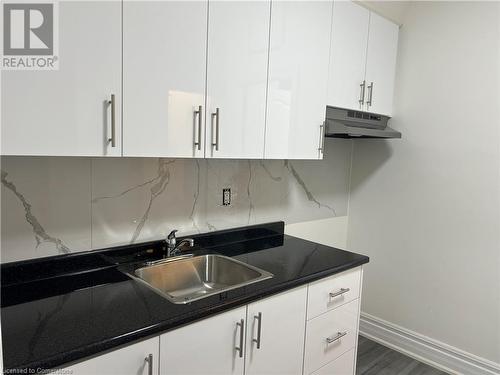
(190, 279)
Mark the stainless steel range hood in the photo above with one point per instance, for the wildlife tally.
(348, 123)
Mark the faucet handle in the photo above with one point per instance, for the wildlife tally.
(172, 234)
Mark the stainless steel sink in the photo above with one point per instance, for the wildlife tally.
(190, 279)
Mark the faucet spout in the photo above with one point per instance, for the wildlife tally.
(178, 249)
(174, 248)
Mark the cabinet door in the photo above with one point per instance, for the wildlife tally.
(278, 346)
(211, 346)
(238, 41)
(130, 360)
(381, 64)
(66, 112)
(348, 54)
(344, 365)
(164, 63)
(298, 71)
(330, 335)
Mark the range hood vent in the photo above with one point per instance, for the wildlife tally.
(348, 123)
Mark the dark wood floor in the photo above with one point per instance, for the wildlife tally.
(375, 359)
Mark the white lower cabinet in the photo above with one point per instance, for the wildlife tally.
(270, 336)
(135, 359)
(330, 335)
(331, 292)
(275, 334)
(344, 365)
(333, 308)
(274, 344)
(210, 346)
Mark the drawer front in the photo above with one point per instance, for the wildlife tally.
(344, 365)
(337, 290)
(330, 335)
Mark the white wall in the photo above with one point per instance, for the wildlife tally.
(330, 232)
(426, 208)
(392, 10)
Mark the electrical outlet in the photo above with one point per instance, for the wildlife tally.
(226, 196)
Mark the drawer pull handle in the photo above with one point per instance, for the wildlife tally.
(370, 95)
(321, 147)
(338, 336)
(362, 93)
(149, 361)
(216, 116)
(339, 293)
(239, 349)
(198, 116)
(112, 139)
(259, 329)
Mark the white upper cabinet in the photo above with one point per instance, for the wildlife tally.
(67, 111)
(363, 59)
(238, 42)
(348, 55)
(200, 79)
(381, 64)
(275, 334)
(164, 61)
(298, 71)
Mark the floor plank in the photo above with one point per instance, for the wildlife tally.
(376, 359)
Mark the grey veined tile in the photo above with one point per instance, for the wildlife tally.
(45, 206)
(140, 199)
(58, 205)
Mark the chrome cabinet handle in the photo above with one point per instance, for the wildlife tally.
(197, 114)
(322, 130)
(338, 336)
(362, 93)
(339, 293)
(241, 324)
(216, 116)
(113, 121)
(258, 317)
(149, 360)
(370, 94)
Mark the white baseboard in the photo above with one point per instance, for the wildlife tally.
(437, 354)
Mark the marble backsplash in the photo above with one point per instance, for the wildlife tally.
(57, 205)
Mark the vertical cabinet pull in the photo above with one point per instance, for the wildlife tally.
(258, 317)
(149, 360)
(362, 92)
(370, 94)
(239, 349)
(198, 116)
(322, 130)
(113, 121)
(215, 116)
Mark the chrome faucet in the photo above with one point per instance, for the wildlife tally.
(174, 248)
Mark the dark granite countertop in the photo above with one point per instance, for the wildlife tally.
(65, 308)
